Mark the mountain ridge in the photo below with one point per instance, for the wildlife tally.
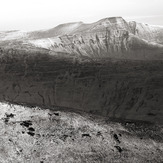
(113, 19)
(108, 37)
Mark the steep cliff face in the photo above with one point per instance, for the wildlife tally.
(95, 44)
(110, 37)
(108, 43)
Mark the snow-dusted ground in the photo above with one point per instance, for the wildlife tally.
(45, 43)
(13, 35)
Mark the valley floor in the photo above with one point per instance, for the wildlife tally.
(35, 135)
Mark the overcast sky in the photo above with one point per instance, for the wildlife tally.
(42, 14)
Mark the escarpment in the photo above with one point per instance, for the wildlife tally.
(111, 37)
(112, 67)
(102, 44)
(108, 43)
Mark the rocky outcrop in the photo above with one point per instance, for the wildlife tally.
(103, 43)
(108, 43)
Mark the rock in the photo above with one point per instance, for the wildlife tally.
(118, 148)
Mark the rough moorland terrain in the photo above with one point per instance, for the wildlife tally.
(36, 135)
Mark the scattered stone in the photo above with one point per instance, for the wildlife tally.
(99, 133)
(26, 123)
(118, 148)
(86, 135)
(57, 114)
(31, 129)
(64, 137)
(30, 133)
(6, 120)
(116, 138)
(10, 115)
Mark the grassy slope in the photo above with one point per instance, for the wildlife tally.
(35, 135)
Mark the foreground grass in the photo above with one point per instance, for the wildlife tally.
(34, 135)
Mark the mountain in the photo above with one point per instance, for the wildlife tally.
(111, 67)
(109, 37)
